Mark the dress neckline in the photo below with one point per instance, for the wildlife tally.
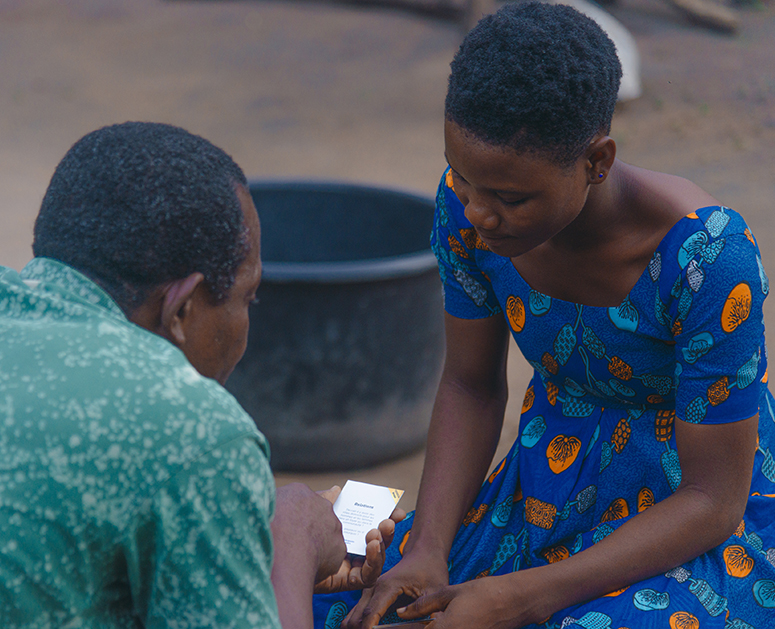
(674, 227)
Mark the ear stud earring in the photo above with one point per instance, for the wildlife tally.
(600, 175)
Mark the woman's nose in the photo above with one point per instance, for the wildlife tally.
(480, 215)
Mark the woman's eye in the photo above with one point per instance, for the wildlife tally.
(512, 202)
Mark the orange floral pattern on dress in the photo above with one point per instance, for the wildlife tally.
(540, 513)
(749, 235)
(677, 327)
(449, 181)
(549, 363)
(718, 392)
(738, 562)
(551, 393)
(457, 247)
(621, 435)
(645, 499)
(655, 399)
(555, 553)
(619, 368)
(403, 542)
(530, 397)
(616, 593)
(515, 310)
(562, 452)
(472, 239)
(740, 529)
(497, 471)
(474, 516)
(663, 425)
(684, 620)
(737, 307)
(617, 510)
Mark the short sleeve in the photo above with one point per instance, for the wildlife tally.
(204, 556)
(468, 293)
(716, 309)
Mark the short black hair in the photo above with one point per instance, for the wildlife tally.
(137, 204)
(535, 77)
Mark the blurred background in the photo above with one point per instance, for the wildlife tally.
(353, 92)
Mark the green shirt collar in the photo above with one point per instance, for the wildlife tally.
(61, 278)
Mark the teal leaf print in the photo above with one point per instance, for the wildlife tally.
(736, 623)
(695, 412)
(593, 343)
(601, 532)
(649, 600)
(576, 408)
(755, 541)
(672, 468)
(655, 266)
(699, 345)
(624, 316)
(660, 312)
(586, 498)
(768, 466)
(573, 388)
(717, 222)
(684, 304)
(473, 289)
(539, 303)
(662, 384)
(606, 455)
(763, 276)
(691, 247)
(711, 252)
(594, 620)
(695, 276)
(506, 548)
(533, 432)
(564, 343)
(501, 513)
(713, 603)
(336, 615)
(621, 389)
(680, 574)
(747, 373)
(764, 592)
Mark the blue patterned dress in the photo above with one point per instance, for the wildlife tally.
(596, 443)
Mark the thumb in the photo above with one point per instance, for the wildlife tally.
(331, 494)
(427, 604)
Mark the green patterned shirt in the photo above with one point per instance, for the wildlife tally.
(134, 492)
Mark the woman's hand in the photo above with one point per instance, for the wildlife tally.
(489, 603)
(357, 573)
(411, 577)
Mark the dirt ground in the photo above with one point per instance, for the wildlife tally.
(320, 90)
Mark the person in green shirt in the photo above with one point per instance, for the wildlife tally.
(134, 489)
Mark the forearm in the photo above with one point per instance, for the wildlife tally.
(462, 439)
(293, 577)
(672, 532)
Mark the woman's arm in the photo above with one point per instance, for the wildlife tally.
(716, 463)
(464, 432)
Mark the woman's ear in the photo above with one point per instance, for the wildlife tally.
(601, 154)
(176, 306)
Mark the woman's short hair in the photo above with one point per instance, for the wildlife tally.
(138, 204)
(535, 77)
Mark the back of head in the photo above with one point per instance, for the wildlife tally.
(138, 204)
(535, 77)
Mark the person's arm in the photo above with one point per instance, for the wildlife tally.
(716, 463)
(464, 432)
(308, 547)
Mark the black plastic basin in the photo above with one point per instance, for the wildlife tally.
(346, 343)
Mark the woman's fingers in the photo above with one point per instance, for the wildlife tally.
(427, 604)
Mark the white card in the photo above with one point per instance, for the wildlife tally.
(360, 508)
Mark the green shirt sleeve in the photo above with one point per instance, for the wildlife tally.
(201, 554)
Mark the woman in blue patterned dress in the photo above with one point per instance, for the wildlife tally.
(641, 490)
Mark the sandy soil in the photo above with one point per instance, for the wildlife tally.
(320, 90)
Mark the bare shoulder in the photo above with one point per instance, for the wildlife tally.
(667, 195)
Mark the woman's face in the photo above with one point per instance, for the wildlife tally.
(515, 201)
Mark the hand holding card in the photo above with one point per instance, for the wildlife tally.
(360, 508)
(360, 570)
